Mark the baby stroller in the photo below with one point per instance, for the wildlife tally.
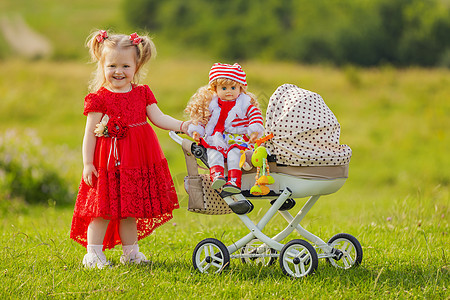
(306, 160)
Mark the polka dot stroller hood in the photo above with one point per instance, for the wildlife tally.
(306, 132)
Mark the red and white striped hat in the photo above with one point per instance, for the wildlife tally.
(233, 72)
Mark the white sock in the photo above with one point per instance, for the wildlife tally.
(97, 250)
(130, 251)
(131, 254)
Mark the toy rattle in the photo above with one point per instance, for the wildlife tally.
(259, 160)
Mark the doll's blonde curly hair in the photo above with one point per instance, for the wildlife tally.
(198, 106)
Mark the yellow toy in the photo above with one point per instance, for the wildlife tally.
(259, 160)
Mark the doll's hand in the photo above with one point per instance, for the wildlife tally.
(196, 136)
(253, 137)
(88, 170)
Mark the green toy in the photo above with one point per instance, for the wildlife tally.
(263, 178)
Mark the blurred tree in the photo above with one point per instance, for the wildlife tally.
(367, 33)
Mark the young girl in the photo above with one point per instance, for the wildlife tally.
(225, 119)
(126, 190)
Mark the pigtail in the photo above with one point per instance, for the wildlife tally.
(145, 51)
(95, 44)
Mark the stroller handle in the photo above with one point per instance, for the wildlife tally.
(197, 150)
(176, 137)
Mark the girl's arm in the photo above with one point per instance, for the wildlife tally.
(163, 121)
(89, 142)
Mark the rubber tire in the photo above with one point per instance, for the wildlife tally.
(356, 259)
(221, 259)
(312, 261)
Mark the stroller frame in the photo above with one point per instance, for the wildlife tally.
(298, 258)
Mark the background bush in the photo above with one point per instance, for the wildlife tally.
(30, 172)
(367, 33)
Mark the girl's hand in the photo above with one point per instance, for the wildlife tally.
(253, 137)
(196, 136)
(88, 170)
(185, 126)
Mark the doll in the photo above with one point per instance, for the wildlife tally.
(225, 120)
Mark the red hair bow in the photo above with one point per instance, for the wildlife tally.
(134, 37)
(101, 36)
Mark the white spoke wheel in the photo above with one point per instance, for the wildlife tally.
(211, 256)
(298, 258)
(255, 247)
(350, 249)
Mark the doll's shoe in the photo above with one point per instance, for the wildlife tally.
(139, 258)
(234, 182)
(217, 177)
(231, 187)
(217, 182)
(91, 260)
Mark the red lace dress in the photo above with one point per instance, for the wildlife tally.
(134, 178)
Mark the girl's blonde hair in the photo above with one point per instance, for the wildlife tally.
(145, 49)
(198, 106)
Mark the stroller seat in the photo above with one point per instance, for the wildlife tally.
(302, 181)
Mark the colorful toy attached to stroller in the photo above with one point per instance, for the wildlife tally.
(305, 160)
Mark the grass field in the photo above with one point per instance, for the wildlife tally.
(396, 200)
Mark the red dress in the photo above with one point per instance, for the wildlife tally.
(141, 186)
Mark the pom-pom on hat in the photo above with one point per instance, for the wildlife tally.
(233, 72)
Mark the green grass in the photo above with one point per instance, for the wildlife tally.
(396, 201)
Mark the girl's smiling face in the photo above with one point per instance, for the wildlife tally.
(228, 92)
(120, 68)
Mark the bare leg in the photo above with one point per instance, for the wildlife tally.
(128, 231)
(96, 231)
(128, 235)
(95, 236)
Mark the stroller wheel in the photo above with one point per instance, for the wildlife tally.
(210, 256)
(298, 259)
(254, 248)
(350, 248)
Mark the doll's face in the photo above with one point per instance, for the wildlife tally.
(228, 92)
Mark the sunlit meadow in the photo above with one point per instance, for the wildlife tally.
(396, 200)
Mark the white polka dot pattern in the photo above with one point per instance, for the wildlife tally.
(306, 132)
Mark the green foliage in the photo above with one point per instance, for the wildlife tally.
(367, 33)
(27, 173)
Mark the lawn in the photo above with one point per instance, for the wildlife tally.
(396, 200)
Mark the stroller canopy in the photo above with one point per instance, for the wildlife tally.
(306, 132)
